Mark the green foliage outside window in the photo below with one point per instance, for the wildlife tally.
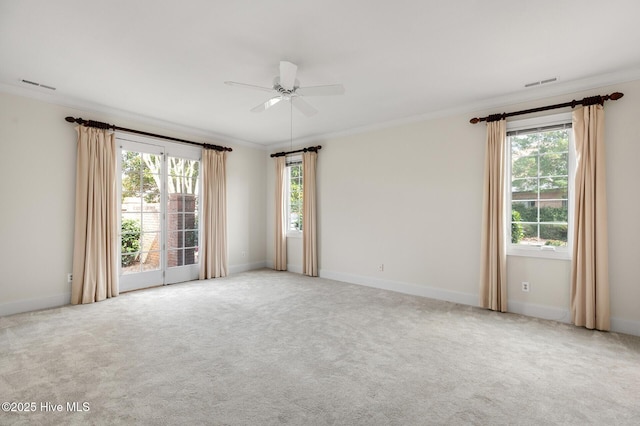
(539, 184)
(130, 241)
(516, 228)
(295, 197)
(137, 178)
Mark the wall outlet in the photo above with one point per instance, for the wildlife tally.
(69, 277)
(244, 253)
(525, 286)
(381, 267)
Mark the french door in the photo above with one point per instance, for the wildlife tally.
(159, 203)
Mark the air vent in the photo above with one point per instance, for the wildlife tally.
(538, 83)
(33, 83)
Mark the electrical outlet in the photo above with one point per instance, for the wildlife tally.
(525, 286)
(69, 277)
(244, 253)
(381, 267)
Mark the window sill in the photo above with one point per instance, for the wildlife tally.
(539, 253)
(294, 234)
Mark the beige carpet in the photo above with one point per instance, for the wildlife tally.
(265, 347)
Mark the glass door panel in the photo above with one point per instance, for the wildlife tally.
(141, 239)
(182, 218)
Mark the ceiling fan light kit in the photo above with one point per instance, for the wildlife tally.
(286, 87)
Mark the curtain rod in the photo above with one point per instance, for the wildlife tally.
(100, 125)
(308, 149)
(592, 100)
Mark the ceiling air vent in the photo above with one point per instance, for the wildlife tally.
(33, 83)
(538, 83)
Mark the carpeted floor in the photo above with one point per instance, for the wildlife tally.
(265, 347)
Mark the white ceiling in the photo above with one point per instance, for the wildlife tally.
(398, 60)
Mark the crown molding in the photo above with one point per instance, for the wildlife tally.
(499, 102)
(90, 107)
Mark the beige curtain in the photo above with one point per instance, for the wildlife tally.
(493, 273)
(590, 266)
(280, 254)
(309, 242)
(95, 250)
(213, 247)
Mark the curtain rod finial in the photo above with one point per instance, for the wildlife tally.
(474, 120)
(615, 96)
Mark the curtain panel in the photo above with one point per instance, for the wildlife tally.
(95, 250)
(280, 252)
(590, 264)
(493, 274)
(213, 247)
(309, 240)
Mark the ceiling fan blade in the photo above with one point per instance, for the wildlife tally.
(332, 89)
(249, 86)
(268, 104)
(303, 106)
(288, 74)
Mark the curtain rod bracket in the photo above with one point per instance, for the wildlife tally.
(495, 117)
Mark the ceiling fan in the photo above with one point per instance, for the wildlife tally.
(287, 88)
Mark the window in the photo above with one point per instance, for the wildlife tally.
(541, 166)
(294, 196)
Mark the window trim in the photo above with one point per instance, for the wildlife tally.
(561, 253)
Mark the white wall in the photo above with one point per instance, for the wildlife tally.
(246, 199)
(37, 189)
(410, 198)
(403, 198)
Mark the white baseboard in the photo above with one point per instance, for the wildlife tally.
(539, 311)
(28, 305)
(553, 313)
(402, 287)
(244, 267)
(620, 325)
(296, 269)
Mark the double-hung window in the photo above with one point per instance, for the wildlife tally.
(541, 164)
(294, 196)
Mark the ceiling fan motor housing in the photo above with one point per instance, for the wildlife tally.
(286, 87)
(285, 92)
